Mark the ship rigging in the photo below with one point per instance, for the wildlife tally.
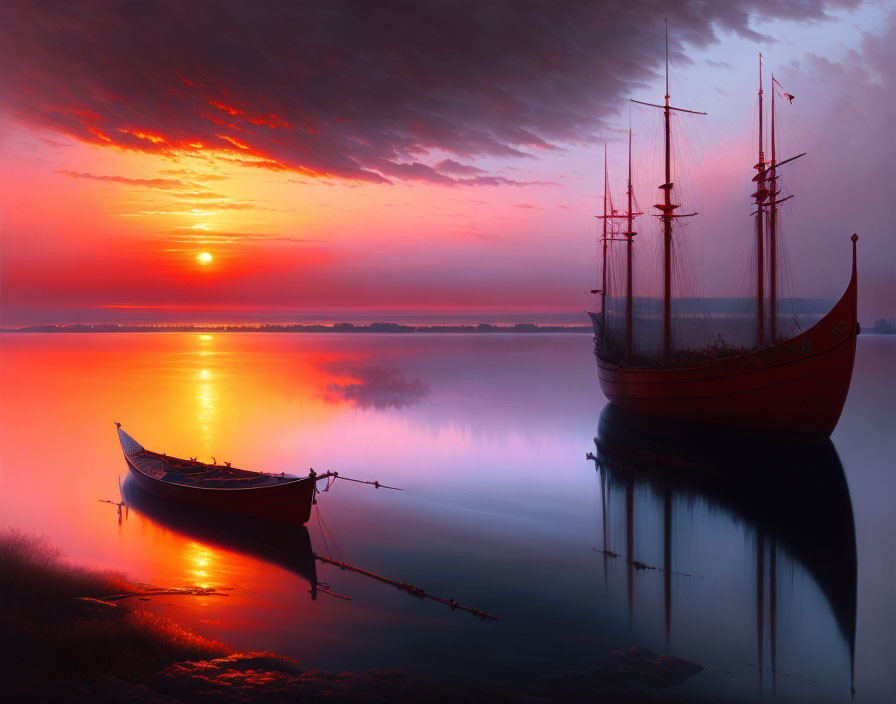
(796, 383)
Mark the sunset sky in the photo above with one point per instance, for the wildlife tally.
(232, 161)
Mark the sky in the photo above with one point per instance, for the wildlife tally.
(243, 162)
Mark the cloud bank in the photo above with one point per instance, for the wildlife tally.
(348, 89)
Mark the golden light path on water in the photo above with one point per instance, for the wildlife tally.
(205, 394)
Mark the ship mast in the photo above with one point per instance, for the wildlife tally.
(667, 211)
(760, 196)
(611, 234)
(772, 236)
(603, 288)
(630, 233)
(766, 196)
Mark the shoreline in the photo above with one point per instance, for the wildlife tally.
(376, 328)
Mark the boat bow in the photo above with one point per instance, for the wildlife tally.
(128, 445)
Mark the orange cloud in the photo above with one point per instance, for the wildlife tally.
(235, 142)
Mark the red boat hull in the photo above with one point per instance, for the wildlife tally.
(287, 503)
(282, 500)
(799, 385)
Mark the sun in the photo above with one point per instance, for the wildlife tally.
(204, 258)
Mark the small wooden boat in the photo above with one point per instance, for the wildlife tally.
(283, 498)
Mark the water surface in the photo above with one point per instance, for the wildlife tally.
(501, 509)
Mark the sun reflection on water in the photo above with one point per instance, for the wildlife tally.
(202, 562)
(206, 396)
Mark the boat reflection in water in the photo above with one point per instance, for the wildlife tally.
(287, 546)
(733, 524)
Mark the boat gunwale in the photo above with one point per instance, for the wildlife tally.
(740, 371)
(272, 488)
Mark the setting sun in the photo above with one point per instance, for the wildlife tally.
(204, 258)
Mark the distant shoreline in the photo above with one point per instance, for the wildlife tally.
(389, 328)
(397, 328)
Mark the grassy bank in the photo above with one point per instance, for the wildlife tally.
(61, 629)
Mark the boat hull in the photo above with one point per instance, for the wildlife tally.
(799, 385)
(274, 498)
(287, 503)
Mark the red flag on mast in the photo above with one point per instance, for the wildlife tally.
(781, 90)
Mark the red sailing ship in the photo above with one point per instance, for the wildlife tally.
(793, 385)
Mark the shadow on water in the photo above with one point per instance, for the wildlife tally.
(279, 544)
(790, 493)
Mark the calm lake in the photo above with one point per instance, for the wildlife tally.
(778, 583)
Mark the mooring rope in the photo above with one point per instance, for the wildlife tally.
(325, 531)
(321, 528)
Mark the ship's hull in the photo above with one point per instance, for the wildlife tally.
(799, 385)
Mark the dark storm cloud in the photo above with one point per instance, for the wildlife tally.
(349, 89)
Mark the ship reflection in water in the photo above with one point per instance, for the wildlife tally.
(670, 494)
